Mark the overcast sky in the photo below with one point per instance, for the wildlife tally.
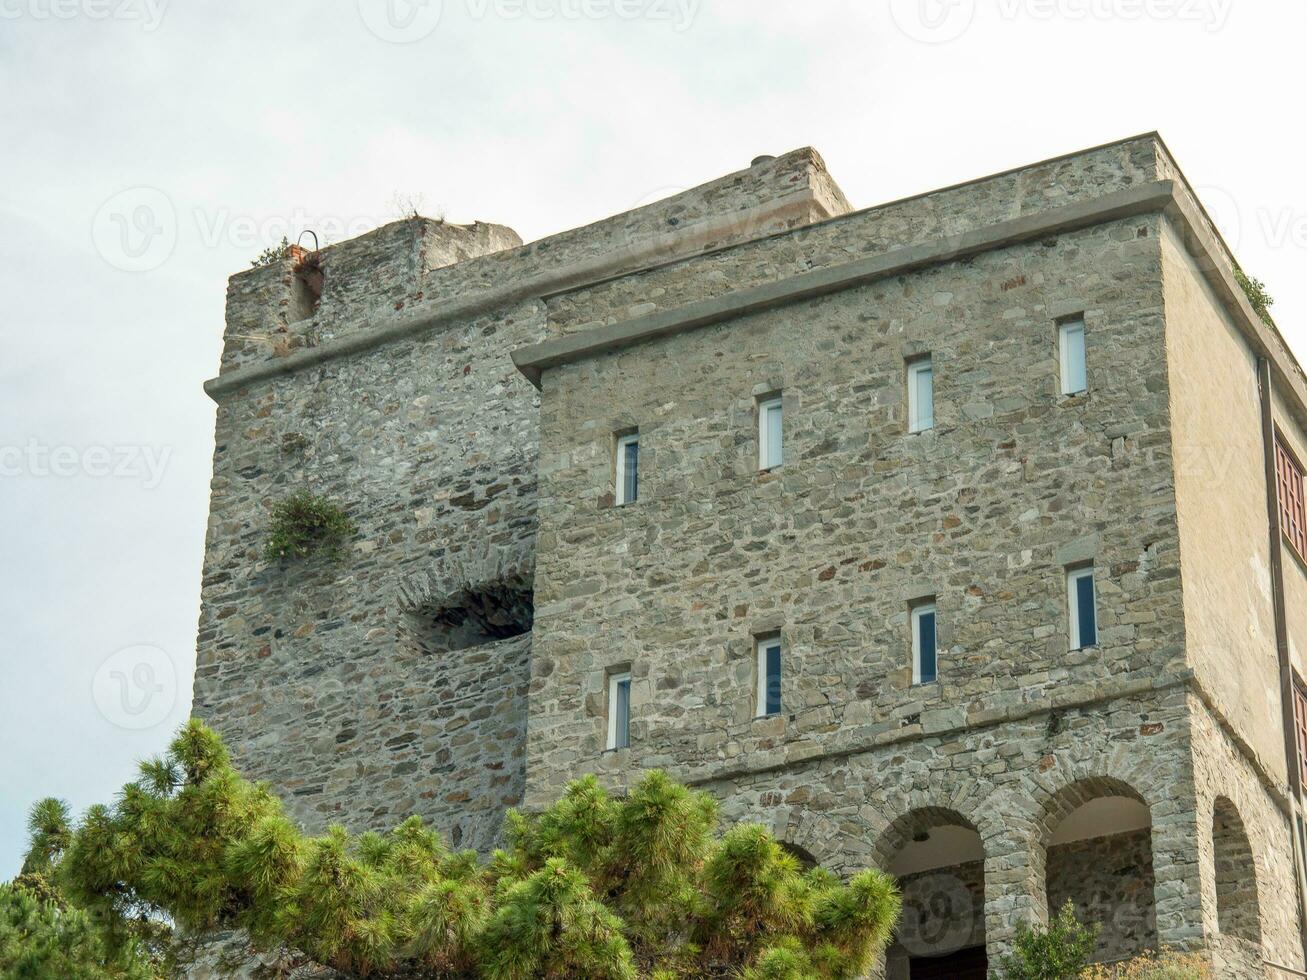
(149, 149)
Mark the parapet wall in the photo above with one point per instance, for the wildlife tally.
(933, 217)
(410, 269)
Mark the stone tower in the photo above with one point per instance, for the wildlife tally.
(968, 540)
(395, 681)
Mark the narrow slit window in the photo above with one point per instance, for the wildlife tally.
(628, 469)
(619, 710)
(924, 644)
(769, 677)
(1081, 602)
(1071, 350)
(921, 395)
(771, 445)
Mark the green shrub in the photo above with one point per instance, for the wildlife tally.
(273, 255)
(304, 524)
(1058, 952)
(592, 888)
(1255, 290)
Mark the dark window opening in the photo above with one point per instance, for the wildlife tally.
(307, 288)
(484, 613)
(801, 854)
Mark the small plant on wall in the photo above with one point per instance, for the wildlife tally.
(305, 524)
(1257, 295)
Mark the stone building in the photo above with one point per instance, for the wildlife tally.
(962, 535)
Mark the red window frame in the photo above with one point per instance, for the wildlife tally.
(1300, 728)
(1293, 502)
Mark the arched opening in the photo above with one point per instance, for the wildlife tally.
(1099, 857)
(1237, 910)
(801, 854)
(939, 860)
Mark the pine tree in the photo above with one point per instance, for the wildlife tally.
(592, 888)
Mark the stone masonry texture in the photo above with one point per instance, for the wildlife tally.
(454, 661)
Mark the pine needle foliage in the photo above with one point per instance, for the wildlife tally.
(1058, 952)
(596, 887)
(303, 524)
(42, 937)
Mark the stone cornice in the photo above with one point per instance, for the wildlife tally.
(802, 753)
(1168, 196)
(533, 360)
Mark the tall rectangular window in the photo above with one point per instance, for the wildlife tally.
(771, 447)
(921, 395)
(1082, 607)
(769, 677)
(1293, 504)
(1071, 353)
(925, 666)
(619, 710)
(628, 468)
(1300, 726)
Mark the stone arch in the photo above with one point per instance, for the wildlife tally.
(1095, 850)
(1071, 796)
(801, 854)
(1238, 909)
(811, 834)
(906, 827)
(937, 855)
